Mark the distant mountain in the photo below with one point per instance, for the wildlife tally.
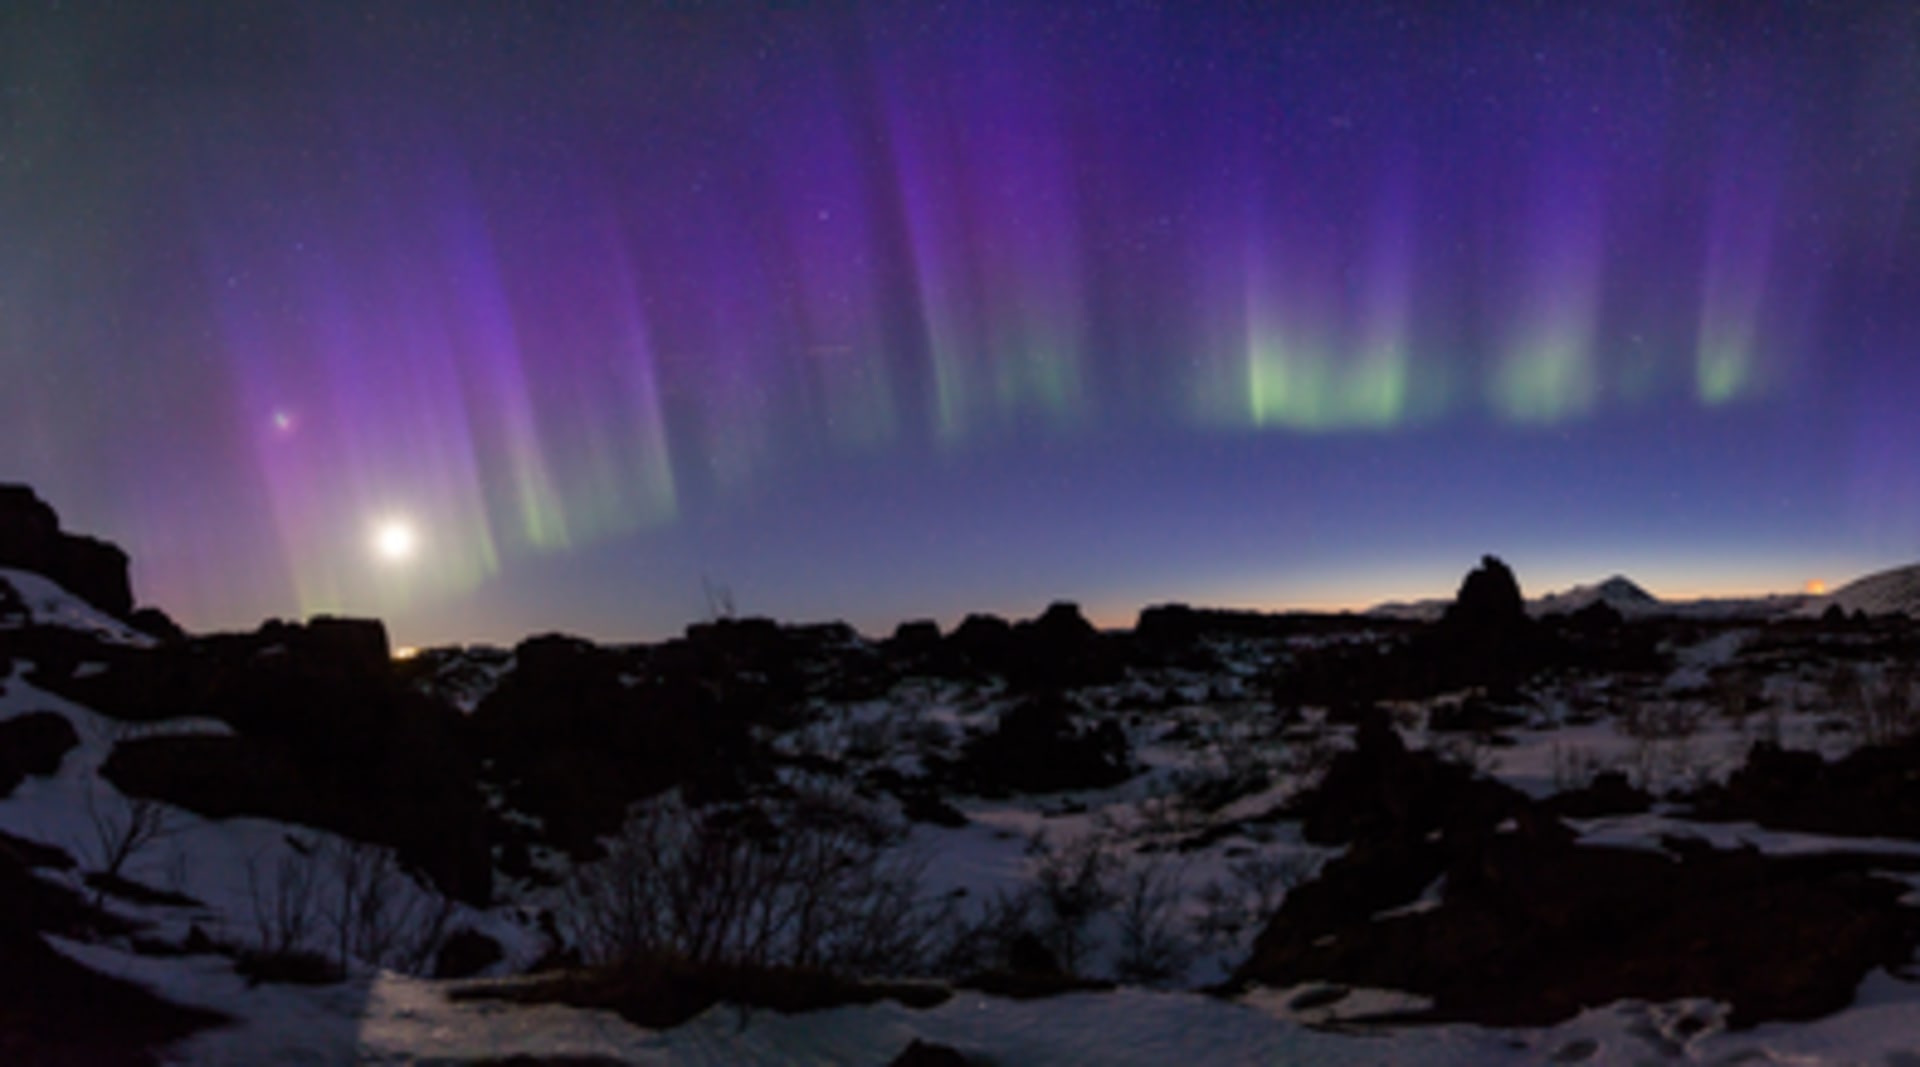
(1881, 593)
(1618, 592)
(1631, 600)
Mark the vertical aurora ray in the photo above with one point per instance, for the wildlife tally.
(1546, 372)
(1742, 218)
(1327, 318)
(497, 377)
(649, 289)
(989, 216)
(823, 235)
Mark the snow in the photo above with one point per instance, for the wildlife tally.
(1880, 593)
(378, 1016)
(47, 604)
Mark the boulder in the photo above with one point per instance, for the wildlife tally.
(33, 743)
(1530, 932)
(31, 539)
(465, 953)
(1037, 747)
(928, 1054)
(914, 639)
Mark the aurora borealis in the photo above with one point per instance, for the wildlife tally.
(497, 317)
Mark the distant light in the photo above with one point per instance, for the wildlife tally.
(284, 422)
(405, 652)
(1816, 587)
(394, 540)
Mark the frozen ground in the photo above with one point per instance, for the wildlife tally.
(1726, 689)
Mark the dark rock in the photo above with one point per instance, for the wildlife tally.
(157, 624)
(1473, 715)
(982, 642)
(402, 780)
(29, 853)
(33, 743)
(1530, 928)
(197, 943)
(1379, 790)
(1062, 624)
(1028, 955)
(287, 967)
(1608, 794)
(1060, 650)
(578, 732)
(1038, 748)
(1598, 617)
(31, 539)
(914, 639)
(57, 1011)
(1869, 793)
(924, 807)
(354, 647)
(1489, 599)
(927, 1054)
(1530, 932)
(465, 953)
(1484, 640)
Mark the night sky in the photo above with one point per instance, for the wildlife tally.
(491, 317)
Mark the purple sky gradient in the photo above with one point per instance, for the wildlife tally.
(885, 310)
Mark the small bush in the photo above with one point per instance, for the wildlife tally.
(813, 882)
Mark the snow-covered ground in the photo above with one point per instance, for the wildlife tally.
(1186, 730)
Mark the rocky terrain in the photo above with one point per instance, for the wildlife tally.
(1581, 828)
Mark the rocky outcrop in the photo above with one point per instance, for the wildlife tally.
(89, 568)
(1058, 650)
(1869, 793)
(1038, 747)
(325, 734)
(57, 1011)
(578, 732)
(1469, 893)
(33, 743)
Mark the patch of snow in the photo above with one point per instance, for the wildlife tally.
(48, 604)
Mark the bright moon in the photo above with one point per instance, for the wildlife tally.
(394, 540)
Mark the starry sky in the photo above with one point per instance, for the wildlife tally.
(491, 317)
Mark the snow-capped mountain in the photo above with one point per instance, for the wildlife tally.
(1630, 599)
(1618, 592)
(1881, 593)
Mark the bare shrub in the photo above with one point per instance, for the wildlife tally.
(1843, 689)
(1574, 766)
(1072, 885)
(1658, 720)
(1739, 694)
(377, 913)
(123, 828)
(285, 901)
(1252, 891)
(814, 881)
(1883, 711)
(1152, 946)
(1309, 758)
(349, 902)
(985, 942)
(1473, 750)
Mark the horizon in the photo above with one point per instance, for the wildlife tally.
(1103, 616)
(504, 319)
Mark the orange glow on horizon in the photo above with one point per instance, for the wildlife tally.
(1816, 587)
